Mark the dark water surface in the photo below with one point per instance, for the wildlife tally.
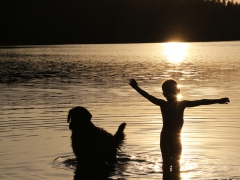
(39, 84)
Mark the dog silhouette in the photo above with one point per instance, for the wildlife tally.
(93, 147)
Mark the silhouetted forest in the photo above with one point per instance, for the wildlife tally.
(117, 21)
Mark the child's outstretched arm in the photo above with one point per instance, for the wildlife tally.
(206, 102)
(151, 98)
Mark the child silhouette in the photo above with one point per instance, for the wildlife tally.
(172, 114)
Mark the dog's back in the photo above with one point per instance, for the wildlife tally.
(88, 146)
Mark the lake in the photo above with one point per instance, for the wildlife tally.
(39, 84)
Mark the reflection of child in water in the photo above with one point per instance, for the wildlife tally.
(172, 114)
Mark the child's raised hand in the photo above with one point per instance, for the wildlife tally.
(133, 83)
(224, 101)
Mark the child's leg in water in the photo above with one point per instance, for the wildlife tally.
(176, 155)
(171, 154)
(166, 155)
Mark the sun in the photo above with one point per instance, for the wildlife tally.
(175, 52)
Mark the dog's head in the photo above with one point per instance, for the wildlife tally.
(78, 117)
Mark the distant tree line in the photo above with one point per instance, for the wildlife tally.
(117, 21)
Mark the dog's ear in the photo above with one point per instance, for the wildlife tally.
(69, 116)
(69, 119)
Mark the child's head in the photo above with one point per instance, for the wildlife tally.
(170, 89)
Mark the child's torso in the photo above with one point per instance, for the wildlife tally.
(172, 114)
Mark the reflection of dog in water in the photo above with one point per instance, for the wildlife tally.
(93, 147)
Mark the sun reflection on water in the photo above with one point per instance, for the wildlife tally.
(175, 52)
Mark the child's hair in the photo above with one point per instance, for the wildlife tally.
(170, 86)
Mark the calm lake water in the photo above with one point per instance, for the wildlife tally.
(39, 84)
